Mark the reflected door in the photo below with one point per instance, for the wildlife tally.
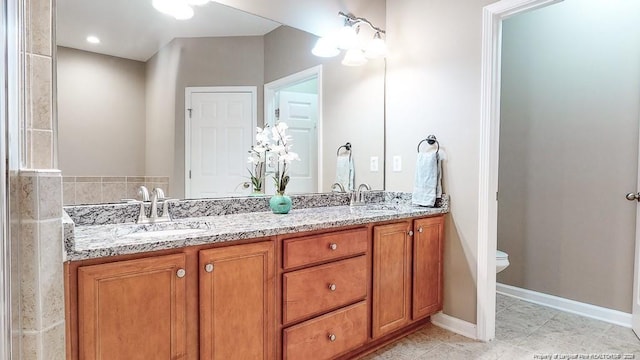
(300, 112)
(219, 136)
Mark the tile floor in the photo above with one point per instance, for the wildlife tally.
(523, 331)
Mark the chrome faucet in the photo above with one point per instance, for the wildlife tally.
(357, 197)
(340, 187)
(156, 195)
(143, 192)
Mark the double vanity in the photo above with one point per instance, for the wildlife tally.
(227, 279)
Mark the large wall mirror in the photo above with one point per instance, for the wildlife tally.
(126, 104)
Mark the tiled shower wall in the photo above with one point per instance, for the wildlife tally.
(38, 97)
(81, 190)
(39, 193)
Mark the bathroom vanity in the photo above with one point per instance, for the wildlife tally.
(322, 282)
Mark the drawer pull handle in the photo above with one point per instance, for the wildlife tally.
(181, 273)
(420, 229)
(410, 233)
(332, 337)
(333, 246)
(332, 287)
(208, 268)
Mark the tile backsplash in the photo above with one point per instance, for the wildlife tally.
(84, 190)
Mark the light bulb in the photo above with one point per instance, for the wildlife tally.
(376, 48)
(176, 8)
(183, 12)
(325, 48)
(354, 57)
(93, 39)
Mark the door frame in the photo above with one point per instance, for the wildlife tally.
(492, 16)
(188, 92)
(272, 87)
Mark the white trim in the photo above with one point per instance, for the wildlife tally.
(188, 91)
(456, 325)
(492, 16)
(571, 306)
(272, 87)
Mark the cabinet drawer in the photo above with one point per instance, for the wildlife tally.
(321, 288)
(318, 248)
(327, 336)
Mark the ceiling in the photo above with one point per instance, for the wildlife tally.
(133, 29)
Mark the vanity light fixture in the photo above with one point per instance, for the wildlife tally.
(347, 38)
(93, 39)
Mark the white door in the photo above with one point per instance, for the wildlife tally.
(219, 136)
(300, 112)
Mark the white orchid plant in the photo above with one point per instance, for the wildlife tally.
(278, 145)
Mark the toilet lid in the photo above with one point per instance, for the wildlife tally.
(501, 255)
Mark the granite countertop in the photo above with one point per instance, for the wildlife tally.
(95, 241)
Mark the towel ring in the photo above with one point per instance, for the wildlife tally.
(431, 139)
(346, 146)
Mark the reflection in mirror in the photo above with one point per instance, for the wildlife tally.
(123, 104)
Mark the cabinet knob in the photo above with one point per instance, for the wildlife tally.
(332, 337)
(208, 268)
(420, 229)
(332, 287)
(410, 233)
(181, 273)
(333, 246)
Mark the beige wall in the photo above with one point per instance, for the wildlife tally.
(568, 150)
(353, 101)
(433, 87)
(101, 114)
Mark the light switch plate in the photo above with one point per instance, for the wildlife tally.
(373, 164)
(397, 163)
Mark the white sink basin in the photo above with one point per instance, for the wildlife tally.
(159, 233)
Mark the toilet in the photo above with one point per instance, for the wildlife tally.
(502, 260)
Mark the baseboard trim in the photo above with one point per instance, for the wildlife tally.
(456, 325)
(571, 306)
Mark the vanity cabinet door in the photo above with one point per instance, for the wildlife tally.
(391, 277)
(427, 266)
(237, 302)
(133, 309)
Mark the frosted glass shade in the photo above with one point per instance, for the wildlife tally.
(325, 48)
(354, 57)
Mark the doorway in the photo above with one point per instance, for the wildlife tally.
(297, 101)
(220, 127)
(584, 142)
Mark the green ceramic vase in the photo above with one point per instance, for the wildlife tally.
(280, 204)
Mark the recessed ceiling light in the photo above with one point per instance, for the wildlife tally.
(93, 39)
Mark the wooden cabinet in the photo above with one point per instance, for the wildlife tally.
(237, 302)
(327, 336)
(427, 266)
(391, 277)
(407, 273)
(323, 288)
(133, 309)
(329, 294)
(138, 309)
(325, 295)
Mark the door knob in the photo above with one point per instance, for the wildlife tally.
(633, 196)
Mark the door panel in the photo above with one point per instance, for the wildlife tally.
(132, 309)
(300, 112)
(221, 134)
(391, 278)
(237, 302)
(427, 266)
